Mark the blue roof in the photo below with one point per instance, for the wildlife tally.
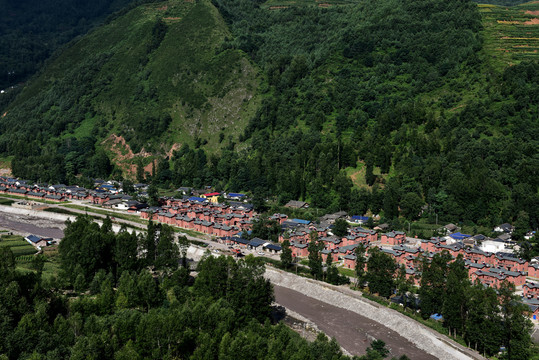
(357, 217)
(256, 242)
(273, 247)
(236, 195)
(301, 221)
(240, 240)
(194, 198)
(459, 236)
(33, 238)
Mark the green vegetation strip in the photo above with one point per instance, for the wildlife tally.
(112, 214)
(7, 202)
(68, 212)
(28, 199)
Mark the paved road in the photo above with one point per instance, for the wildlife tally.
(137, 225)
(353, 331)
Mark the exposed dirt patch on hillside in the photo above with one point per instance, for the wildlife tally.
(123, 155)
(174, 147)
(534, 21)
(530, 12)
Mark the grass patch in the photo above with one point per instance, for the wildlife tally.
(95, 217)
(188, 232)
(426, 229)
(346, 272)
(376, 299)
(112, 214)
(199, 243)
(28, 199)
(294, 269)
(128, 217)
(7, 202)
(50, 268)
(59, 211)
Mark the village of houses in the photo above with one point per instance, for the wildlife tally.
(489, 260)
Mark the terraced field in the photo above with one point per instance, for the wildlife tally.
(283, 4)
(511, 33)
(20, 247)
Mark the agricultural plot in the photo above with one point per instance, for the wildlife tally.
(18, 245)
(511, 33)
(283, 4)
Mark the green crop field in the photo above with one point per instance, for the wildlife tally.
(18, 245)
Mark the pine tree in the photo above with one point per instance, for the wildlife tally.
(360, 264)
(517, 327)
(455, 300)
(167, 252)
(332, 273)
(315, 260)
(286, 255)
(433, 283)
(380, 271)
(149, 243)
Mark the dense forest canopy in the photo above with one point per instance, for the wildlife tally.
(382, 106)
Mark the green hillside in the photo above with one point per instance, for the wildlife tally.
(157, 72)
(382, 106)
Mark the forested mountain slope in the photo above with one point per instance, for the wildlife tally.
(381, 106)
(31, 30)
(156, 73)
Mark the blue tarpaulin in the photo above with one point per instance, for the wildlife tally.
(301, 221)
(459, 236)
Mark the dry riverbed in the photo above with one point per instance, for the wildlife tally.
(355, 322)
